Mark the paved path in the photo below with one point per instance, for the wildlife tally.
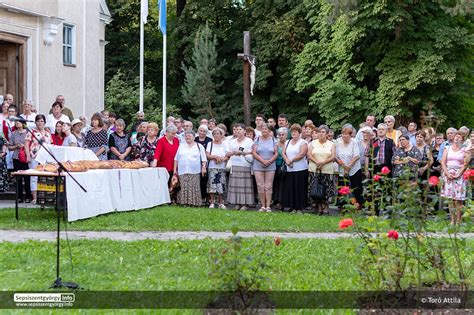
(4, 204)
(21, 236)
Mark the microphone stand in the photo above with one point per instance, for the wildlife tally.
(58, 283)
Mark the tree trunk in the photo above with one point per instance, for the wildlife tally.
(180, 4)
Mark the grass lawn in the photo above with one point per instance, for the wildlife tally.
(105, 265)
(295, 265)
(173, 218)
(178, 265)
(311, 264)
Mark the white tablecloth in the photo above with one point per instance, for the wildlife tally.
(116, 190)
(64, 154)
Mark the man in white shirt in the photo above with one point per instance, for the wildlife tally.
(56, 116)
(369, 122)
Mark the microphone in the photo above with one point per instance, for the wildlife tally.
(20, 119)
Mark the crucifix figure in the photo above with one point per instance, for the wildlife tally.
(249, 76)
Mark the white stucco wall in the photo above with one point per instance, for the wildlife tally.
(82, 84)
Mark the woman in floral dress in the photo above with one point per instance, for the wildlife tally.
(147, 146)
(406, 159)
(454, 163)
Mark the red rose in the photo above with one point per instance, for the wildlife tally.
(434, 181)
(277, 240)
(393, 234)
(344, 190)
(377, 178)
(375, 144)
(345, 223)
(468, 174)
(385, 170)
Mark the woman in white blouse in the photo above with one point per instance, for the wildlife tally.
(189, 164)
(241, 191)
(295, 184)
(348, 158)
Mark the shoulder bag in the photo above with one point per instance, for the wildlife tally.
(283, 169)
(318, 189)
(22, 155)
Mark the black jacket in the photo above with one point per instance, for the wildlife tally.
(389, 149)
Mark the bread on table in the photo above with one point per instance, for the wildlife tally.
(50, 167)
(84, 166)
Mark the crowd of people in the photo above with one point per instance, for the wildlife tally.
(277, 165)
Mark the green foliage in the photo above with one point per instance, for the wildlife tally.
(383, 57)
(122, 97)
(200, 83)
(240, 269)
(331, 61)
(402, 261)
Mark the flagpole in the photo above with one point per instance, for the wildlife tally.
(164, 81)
(142, 39)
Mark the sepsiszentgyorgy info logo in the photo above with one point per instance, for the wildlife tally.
(52, 300)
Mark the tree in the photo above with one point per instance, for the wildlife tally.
(122, 95)
(201, 84)
(329, 60)
(384, 57)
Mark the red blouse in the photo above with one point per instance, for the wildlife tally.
(165, 153)
(56, 140)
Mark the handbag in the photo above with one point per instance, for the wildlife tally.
(175, 185)
(283, 169)
(22, 155)
(318, 189)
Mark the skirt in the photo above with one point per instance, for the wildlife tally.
(455, 189)
(217, 181)
(240, 186)
(190, 192)
(328, 180)
(295, 190)
(4, 185)
(278, 187)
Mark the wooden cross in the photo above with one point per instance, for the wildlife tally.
(247, 58)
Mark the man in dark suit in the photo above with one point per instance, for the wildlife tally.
(383, 149)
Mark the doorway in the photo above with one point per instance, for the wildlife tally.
(9, 69)
(12, 67)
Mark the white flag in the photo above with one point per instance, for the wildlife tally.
(144, 10)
